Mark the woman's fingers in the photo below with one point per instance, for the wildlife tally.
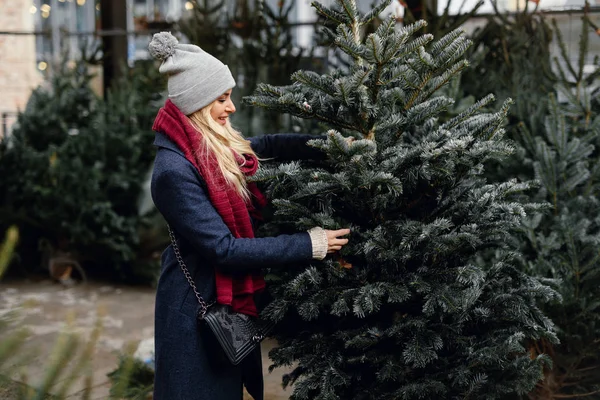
(331, 249)
(334, 243)
(339, 232)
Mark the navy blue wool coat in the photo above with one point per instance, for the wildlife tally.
(189, 362)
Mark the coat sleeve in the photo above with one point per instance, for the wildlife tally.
(182, 200)
(286, 147)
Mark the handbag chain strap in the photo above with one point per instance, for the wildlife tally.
(203, 304)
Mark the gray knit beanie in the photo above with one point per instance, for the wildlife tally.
(196, 78)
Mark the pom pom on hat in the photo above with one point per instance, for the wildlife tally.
(162, 45)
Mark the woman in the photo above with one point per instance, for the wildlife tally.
(199, 185)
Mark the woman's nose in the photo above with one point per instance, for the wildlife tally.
(230, 107)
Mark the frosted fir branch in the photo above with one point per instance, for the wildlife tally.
(468, 113)
(484, 151)
(315, 189)
(349, 7)
(396, 97)
(439, 81)
(308, 310)
(476, 124)
(290, 208)
(459, 47)
(313, 80)
(366, 339)
(308, 279)
(368, 299)
(340, 179)
(405, 77)
(374, 12)
(439, 45)
(269, 90)
(371, 179)
(454, 50)
(360, 76)
(344, 90)
(345, 42)
(426, 59)
(290, 169)
(373, 49)
(323, 219)
(413, 46)
(427, 109)
(396, 121)
(423, 388)
(327, 33)
(500, 120)
(411, 29)
(276, 310)
(331, 15)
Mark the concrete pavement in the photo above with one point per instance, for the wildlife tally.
(126, 314)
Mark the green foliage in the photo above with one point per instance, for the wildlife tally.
(132, 379)
(205, 25)
(256, 41)
(268, 54)
(438, 24)
(511, 58)
(74, 166)
(404, 311)
(8, 247)
(69, 362)
(561, 151)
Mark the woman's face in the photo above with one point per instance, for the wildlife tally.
(222, 108)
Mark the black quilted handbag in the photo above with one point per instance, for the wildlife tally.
(237, 333)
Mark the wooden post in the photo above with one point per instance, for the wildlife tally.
(113, 18)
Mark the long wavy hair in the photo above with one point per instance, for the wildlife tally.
(223, 141)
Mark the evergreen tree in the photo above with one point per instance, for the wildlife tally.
(74, 166)
(267, 54)
(562, 151)
(511, 58)
(403, 312)
(206, 26)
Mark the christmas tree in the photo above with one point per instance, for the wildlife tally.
(206, 26)
(561, 150)
(512, 57)
(404, 311)
(74, 166)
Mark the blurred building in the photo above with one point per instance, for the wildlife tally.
(19, 69)
(33, 33)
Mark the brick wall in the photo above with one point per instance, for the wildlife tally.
(18, 69)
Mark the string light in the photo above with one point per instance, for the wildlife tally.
(45, 8)
(33, 9)
(42, 65)
(80, 2)
(189, 5)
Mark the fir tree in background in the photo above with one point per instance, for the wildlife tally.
(562, 151)
(564, 244)
(403, 312)
(268, 54)
(205, 25)
(511, 58)
(73, 171)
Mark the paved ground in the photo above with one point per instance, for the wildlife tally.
(126, 315)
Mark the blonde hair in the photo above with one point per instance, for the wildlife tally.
(219, 141)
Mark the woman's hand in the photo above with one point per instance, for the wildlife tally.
(334, 242)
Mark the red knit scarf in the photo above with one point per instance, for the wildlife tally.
(234, 290)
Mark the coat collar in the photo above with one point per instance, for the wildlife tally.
(161, 140)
